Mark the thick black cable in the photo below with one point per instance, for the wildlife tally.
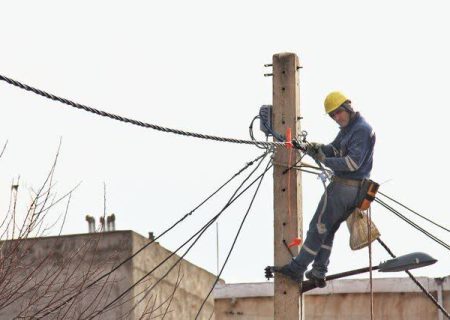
(234, 243)
(436, 303)
(205, 227)
(247, 165)
(414, 225)
(416, 213)
(137, 122)
(199, 233)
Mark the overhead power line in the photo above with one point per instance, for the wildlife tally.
(234, 241)
(196, 235)
(414, 225)
(416, 213)
(47, 95)
(247, 165)
(429, 295)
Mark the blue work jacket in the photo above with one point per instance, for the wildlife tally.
(350, 155)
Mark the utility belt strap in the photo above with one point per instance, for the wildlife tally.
(367, 190)
(348, 182)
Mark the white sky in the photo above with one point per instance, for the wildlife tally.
(198, 65)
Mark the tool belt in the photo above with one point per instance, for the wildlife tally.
(368, 190)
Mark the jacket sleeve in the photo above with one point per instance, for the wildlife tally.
(331, 150)
(358, 148)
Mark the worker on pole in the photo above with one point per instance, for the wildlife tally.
(350, 157)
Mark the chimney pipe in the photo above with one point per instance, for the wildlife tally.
(113, 222)
(91, 223)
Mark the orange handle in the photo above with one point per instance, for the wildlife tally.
(288, 138)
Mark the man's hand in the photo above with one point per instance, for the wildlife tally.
(314, 150)
(320, 156)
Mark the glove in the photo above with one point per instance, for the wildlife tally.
(316, 145)
(312, 148)
(320, 156)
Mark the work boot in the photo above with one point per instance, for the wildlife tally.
(288, 272)
(318, 279)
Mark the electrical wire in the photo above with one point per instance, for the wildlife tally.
(250, 131)
(416, 213)
(137, 122)
(414, 225)
(198, 234)
(401, 216)
(247, 165)
(432, 299)
(234, 241)
(429, 295)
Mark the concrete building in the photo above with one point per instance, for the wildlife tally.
(38, 275)
(42, 273)
(394, 299)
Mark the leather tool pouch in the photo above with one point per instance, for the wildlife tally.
(367, 192)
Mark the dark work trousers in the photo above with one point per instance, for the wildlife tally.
(337, 203)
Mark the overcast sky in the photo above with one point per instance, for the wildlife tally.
(198, 66)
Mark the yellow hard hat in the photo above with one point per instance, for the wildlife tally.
(334, 100)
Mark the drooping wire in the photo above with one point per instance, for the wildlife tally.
(414, 225)
(416, 213)
(198, 234)
(234, 241)
(247, 165)
(267, 144)
(416, 281)
(250, 131)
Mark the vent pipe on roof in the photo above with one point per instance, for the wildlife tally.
(111, 222)
(91, 223)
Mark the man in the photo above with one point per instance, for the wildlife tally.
(350, 156)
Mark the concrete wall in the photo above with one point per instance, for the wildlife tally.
(189, 294)
(45, 271)
(54, 268)
(394, 299)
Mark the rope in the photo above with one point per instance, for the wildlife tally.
(137, 122)
(247, 165)
(416, 213)
(369, 229)
(432, 299)
(415, 281)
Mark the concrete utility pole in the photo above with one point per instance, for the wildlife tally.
(288, 218)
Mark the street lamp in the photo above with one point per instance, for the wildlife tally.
(407, 262)
(402, 263)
